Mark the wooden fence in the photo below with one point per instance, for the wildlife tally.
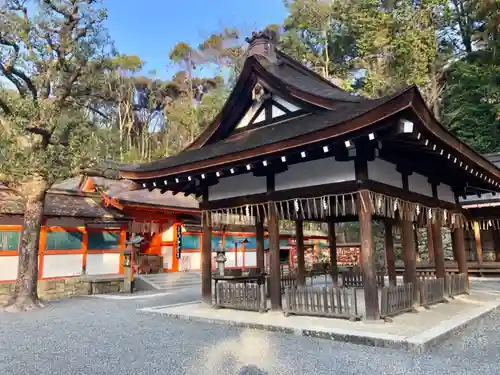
(457, 284)
(326, 302)
(240, 296)
(354, 279)
(431, 291)
(396, 299)
(288, 281)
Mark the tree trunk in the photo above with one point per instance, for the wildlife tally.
(25, 295)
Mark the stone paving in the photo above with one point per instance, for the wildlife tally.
(95, 336)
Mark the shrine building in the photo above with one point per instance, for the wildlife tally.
(290, 145)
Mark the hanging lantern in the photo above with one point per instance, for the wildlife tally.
(296, 205)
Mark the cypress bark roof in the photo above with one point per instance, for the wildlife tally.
(59, 204)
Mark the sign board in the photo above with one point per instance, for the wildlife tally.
(178, 251)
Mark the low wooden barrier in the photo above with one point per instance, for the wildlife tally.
(325, 302)
(457, 284)
(431, 291)
(240, 296)
(396, 299)
(354, 279)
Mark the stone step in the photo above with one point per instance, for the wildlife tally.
(165, 282)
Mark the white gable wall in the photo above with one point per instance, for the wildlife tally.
(316, 172)
(237, 186)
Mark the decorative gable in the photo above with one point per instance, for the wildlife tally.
(265, 109)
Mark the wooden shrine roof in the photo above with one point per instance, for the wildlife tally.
(260, 137)
(327, 116)
(127, 192)
(59, 204)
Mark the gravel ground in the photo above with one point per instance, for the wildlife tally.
(90, 336)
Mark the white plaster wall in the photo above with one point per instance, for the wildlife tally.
(250, 259)
(168, 232)
(191, 262)
(11, 220)
(445, 193)
(67, 222)
(103, 264)
(315, 172)
(237, 186)
(230, 262)
(62, 265)
(167, 253)
(382, 171)
(419, 184)
(8, 267)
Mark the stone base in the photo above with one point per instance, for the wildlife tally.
(49, 290)
(411, 331)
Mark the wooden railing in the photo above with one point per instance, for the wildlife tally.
(431, 291)
(326, 302)
(457, 284)
(354, 279)
(240, 296)
(396, 299)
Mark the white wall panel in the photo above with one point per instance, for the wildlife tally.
(62, 265)
(250, 259)
(419, 184)
(315, 172)
(445, 193)
(237, 186)
(8, 267)
(382, 171)
(103, 264)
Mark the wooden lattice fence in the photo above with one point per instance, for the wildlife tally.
(457, 284)
(396, 299)
(431, 290)
(354, 279)
(240, 296)
(326, 302)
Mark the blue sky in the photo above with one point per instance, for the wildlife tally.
(150, 28)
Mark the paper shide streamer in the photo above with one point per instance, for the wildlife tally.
(343, 205)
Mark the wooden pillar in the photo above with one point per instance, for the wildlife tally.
(301, 262)
(206, 259)
(332, 241)
(259, 239)
(274, 258)
(367, 259)
(389, 252)
(479, 247)
(430, 243)
(438, 248)
(458, 245)
(409, 256)
(496, 242)
(415, 236)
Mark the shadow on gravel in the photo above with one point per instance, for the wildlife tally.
(252, 370)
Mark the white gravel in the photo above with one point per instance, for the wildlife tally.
(90, 336)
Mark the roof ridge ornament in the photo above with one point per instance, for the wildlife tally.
(263, 43)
